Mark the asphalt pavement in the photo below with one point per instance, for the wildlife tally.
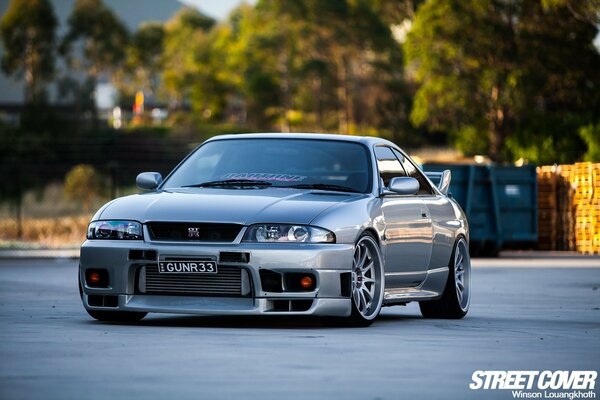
(526, 314)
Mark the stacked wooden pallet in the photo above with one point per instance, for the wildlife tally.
(547, 208)
(585, 209)
(569, 207)
(566, 208)
(595, 207)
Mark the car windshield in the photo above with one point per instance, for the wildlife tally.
(301, 163)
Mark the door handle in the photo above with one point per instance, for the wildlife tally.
(423, 214)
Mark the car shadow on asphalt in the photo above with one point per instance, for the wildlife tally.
(255, 322)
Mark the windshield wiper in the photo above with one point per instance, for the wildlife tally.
(231, 182)
(324, 186)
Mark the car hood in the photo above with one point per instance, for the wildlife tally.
(273, 205)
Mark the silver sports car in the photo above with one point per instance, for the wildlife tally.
(281, 224)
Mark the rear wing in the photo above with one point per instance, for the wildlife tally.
(441, 179)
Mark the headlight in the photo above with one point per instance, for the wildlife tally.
(266, 233)
(125, 230)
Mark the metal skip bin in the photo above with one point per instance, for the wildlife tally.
(500, 203)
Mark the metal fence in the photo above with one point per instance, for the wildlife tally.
(36, 209)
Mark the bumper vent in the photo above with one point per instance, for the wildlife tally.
(148, 255)
(193, 232)
(95, 300)
(234, 257)
(229, 281)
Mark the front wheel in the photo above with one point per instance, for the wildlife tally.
(454, 303)
(367, 282)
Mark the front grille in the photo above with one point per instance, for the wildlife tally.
(229, 281)
(193, 232)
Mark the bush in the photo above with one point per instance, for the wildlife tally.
(82, 183)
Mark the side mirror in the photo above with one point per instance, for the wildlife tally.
(148, 180)
(404, 185)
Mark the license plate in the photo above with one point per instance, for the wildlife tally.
(187, 267)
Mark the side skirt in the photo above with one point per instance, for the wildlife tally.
(431, 289)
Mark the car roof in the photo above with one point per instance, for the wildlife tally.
(368, 140)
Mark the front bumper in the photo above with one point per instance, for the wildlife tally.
(329, 263)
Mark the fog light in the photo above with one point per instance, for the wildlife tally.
(96, 278)
(299, 282)
(306, 282)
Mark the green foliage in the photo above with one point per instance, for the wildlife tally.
(28, 30)
(332, 63)
(470, 141)
(583, 9)
(101, 34)
(185, 35)
(82, 183)
(511, 79)
(547, 138)
(591, 135)
(497, 66)
(144, 58)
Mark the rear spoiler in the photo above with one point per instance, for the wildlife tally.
(442, 179)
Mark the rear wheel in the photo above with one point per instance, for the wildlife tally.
(454, 303)
(367, 282)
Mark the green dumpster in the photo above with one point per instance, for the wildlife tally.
(500, 203)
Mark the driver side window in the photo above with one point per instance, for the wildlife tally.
(388, 165)
(413, 172)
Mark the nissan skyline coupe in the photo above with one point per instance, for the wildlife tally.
(322, 225)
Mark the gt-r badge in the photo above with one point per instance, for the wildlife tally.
(193, 232)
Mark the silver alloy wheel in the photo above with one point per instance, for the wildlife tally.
(367, 288)
(462, 274)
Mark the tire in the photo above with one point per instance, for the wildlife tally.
(367, 282)
(113, 316)
(454, 303)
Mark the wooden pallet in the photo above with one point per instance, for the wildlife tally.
(569, 207)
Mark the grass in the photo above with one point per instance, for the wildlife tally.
(44, 232)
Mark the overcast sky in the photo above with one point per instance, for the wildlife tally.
(218, 9)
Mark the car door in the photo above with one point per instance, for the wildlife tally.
(440, 211)
(408, 228)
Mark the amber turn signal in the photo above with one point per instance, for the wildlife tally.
(94, 277)
(97, 278)
(306, 282)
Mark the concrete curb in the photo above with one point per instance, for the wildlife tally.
(552, 254)
(39, 253)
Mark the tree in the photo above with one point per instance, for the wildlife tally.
(500, 67)
(185, 36)
(144, 60)
(586, 10)
(350, 39)
(591, 135)
(311, 62)
(100, 35)
(28, 35)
